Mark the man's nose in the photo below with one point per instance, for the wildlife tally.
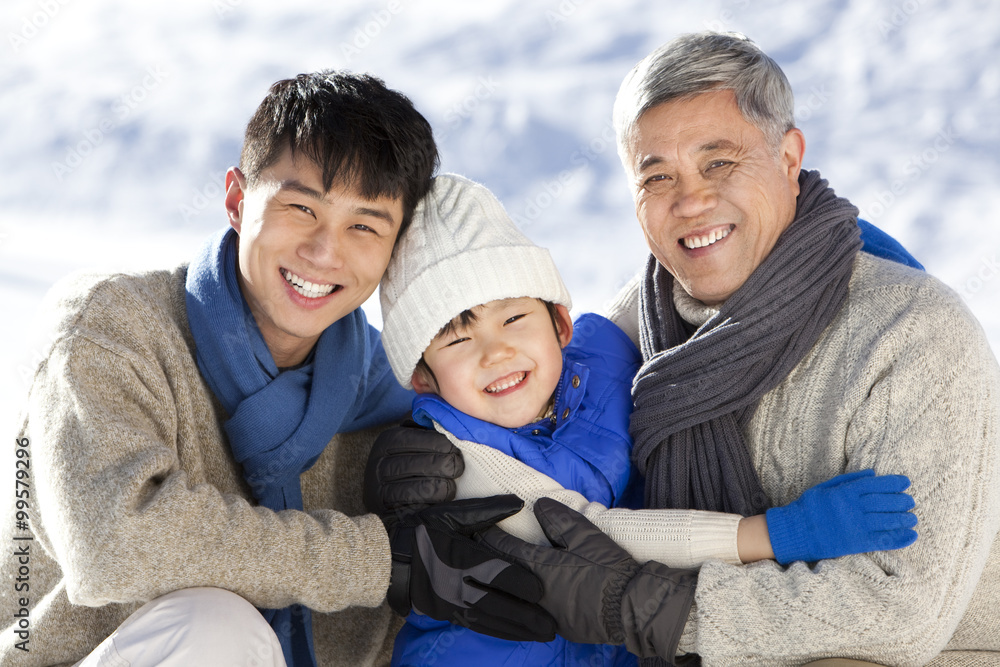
(695, 197)
(323, 248)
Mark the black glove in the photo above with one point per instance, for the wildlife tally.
(596, 591)
(439, 570)
(410, 466)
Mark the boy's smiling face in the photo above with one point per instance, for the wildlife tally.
(503, 367)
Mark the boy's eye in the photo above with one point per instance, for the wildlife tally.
(457, 341)
(304, 209)
(515, 318)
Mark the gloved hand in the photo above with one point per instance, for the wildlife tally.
(852, 513)
(410, 466)
(441, 571)
(595, 591)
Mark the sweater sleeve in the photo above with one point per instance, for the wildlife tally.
(129, 516)
(924, 402)
(678, 538)
(623, 309)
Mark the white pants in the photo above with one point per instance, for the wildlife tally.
(194, 626)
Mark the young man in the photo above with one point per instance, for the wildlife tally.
(183, 427)
(476, 318)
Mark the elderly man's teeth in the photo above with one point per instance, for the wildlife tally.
(304, 287)
(693, 242)
(506, 384)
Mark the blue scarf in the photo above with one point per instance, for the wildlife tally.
(280, 422)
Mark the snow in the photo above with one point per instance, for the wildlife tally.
(120, 119)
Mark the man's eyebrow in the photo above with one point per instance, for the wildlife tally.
(649, 161)
(379, 213)
(711, 146)
(718, 144)
(303, 189)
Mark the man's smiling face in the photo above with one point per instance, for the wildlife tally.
(306, 257)
(712, 195)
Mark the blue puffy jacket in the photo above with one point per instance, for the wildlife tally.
(584, 446)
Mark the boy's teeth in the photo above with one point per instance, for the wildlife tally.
(304, 287)
(506, 384)
(693, 242)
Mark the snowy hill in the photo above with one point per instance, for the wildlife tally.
(120, 119)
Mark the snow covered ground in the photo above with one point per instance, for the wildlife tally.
(120, 118)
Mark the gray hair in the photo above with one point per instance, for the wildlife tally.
(699, 62)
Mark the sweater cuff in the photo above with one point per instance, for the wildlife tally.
(674, 537)
(713, 537)
(376, 567)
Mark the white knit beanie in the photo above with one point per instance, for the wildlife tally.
(461, 250)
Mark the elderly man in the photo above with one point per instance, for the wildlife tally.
(776, 356)
(186, 498)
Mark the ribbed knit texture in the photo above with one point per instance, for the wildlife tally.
(461, 250)
(678, 538)
(135, 492)
(903, 381)
(695, 393)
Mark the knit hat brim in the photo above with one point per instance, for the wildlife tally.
(462, 282)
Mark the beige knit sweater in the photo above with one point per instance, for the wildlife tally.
(902, 381)
(134, 492)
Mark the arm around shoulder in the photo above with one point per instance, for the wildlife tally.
(921, 397)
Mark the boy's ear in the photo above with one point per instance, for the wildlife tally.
(564, 325)
(421, 383)
(235, 191)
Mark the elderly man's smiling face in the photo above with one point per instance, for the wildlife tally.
(712, 195)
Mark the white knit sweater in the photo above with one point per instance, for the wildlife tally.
(679, 538)
(902, 381)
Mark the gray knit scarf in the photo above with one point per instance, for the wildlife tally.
(696, 392)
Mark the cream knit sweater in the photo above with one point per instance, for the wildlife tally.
(678, 538)
(902, 381)
(134, 492)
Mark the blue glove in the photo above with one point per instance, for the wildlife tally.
(856, 512)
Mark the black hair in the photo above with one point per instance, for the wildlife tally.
(355, 129)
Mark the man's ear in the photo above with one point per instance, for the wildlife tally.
(564, 325)
(421, 383)
(235, 191)
(793, 150)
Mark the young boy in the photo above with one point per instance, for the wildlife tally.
(476, 320)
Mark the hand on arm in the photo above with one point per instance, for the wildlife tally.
(410, 467)
(856, 512)
(439, 570)
(596, 592)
